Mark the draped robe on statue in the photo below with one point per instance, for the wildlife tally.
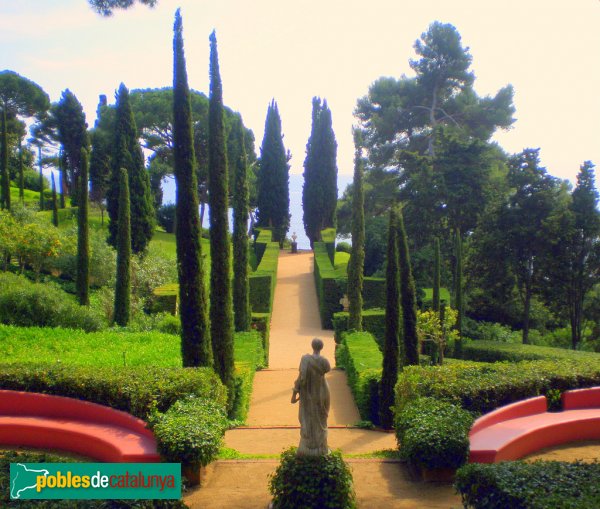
(314, 405)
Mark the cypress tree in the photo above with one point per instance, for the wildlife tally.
(41, 179)
(4, 178)
(436, 276)
(21, 176)
(100, 166)
(54, 203)
(221, 313)
(273, 178)
(193, 311)
(61, 179)
(319, 192)
(127, 154)
(83, 242)
(122, 288)
(357, 258)
(458, 299)
(389, 375)
(409, 299)
(241, 295)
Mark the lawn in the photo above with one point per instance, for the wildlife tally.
(35, 345)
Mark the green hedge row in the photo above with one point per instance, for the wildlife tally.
(139, 391)
(328, 238)
(263, 279)
(494, 351)
(433, 433)
(360, 357)
(261, 322)
(249, 356)
(373, 321)
(330, 284)
(483, 387)
(537, 485)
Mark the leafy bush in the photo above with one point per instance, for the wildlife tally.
(433, 433)
(343, 247)
(483, 387)
(138, 391)
(169, 324)
(191, 431)
(261, 323)
(489, 331)
(537, 485)
(165, 217)
(29, 304)
(312, 482)
(8, 457)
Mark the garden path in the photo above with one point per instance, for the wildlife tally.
(273, 421)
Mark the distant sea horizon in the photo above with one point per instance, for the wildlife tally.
(296, 224)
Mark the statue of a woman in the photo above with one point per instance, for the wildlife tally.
(312, 391)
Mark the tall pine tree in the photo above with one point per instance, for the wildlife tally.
(221, 314)
(408, 293)
(319, 192)
(357, 259)
(127, 154)
(241, 289)
(391, 344)
(83, 241)
(193, 309)
(273, 178)
(123, 283)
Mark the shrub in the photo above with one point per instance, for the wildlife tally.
(29, 304)
(263, 279)
(138, 391)
(165, 217)
(169, 324)
(343, 247)
(536, 485)
(330, 284)
(482, 387)
(312, 482)
(191, 431)
(8, 457)
(261, 323)
(489, 331)
(433, 433)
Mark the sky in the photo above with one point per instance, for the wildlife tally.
(549, 50)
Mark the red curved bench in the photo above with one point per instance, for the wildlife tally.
(518, 429)
(56, 422)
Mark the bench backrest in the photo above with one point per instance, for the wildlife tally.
(581, 398)
(45, 405)
(530, 406)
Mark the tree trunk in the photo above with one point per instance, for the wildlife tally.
(526, 310)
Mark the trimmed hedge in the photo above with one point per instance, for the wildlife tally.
(263, 279)
(433, 433)
(8, 457)
(330, 284)
(483, 387)
(249, 356)
(261, 322)
(373, 321)
(537, 485)
(360, 357)
(328, 238)
(190, 432)
(139, 391)
(493, 351)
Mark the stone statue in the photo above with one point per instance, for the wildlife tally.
(312, 391)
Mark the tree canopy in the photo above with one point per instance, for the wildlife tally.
(106, 7)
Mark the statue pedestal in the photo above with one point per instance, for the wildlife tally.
(294, 247)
